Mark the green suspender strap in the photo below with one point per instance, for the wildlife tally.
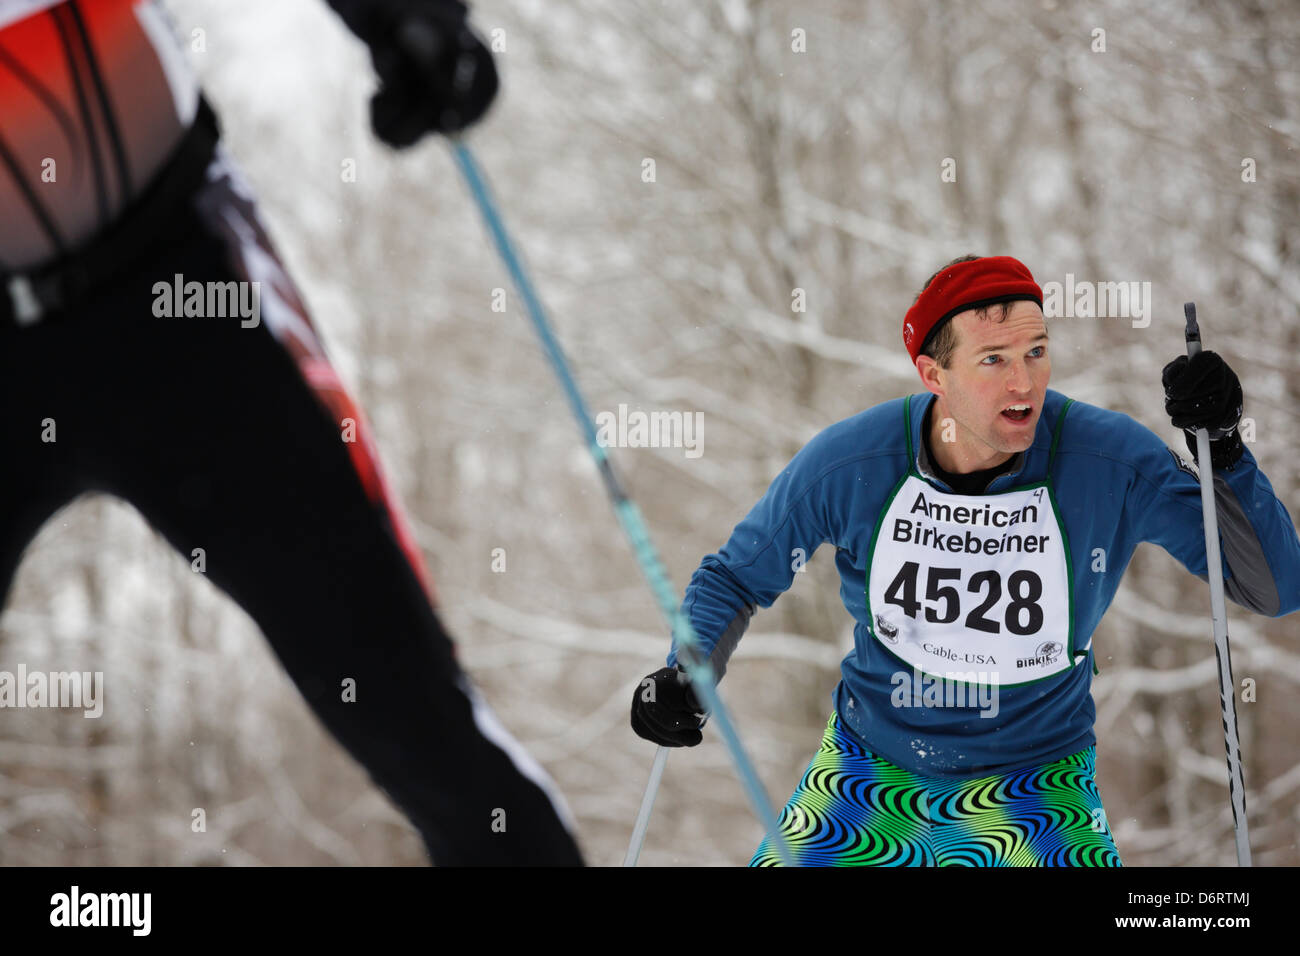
(1051, 462)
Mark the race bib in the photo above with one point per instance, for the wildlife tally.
(972, 587)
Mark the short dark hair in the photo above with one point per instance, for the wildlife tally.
(944, 341)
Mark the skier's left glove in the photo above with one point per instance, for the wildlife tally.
(1203, 392)
(435, 74)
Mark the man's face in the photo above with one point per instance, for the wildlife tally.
(995, 366)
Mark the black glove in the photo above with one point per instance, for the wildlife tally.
(666, 711)
(435, 74)
(1204, 392)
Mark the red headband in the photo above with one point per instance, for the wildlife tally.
(966, 285)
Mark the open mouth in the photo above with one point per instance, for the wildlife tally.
(1017, 413)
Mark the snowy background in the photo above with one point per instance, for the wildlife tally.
(775, 170)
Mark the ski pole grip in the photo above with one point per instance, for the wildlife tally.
(1193, 331)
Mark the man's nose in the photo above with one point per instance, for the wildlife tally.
(1018, 378)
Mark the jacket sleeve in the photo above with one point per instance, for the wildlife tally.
(760, 559)
(1258, 541)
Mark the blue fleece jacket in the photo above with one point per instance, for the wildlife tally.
(1116, 484)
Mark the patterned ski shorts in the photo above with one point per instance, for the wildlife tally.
(854, 809)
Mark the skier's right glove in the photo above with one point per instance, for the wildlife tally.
(666, 711)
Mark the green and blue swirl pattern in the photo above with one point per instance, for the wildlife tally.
(853, 808)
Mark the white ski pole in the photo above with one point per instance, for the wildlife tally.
(647, 804)
(1227, 695)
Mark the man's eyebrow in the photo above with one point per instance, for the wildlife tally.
(999, 348)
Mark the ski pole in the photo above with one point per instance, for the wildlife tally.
(696, 665)
(647, 804)
(1218, 611)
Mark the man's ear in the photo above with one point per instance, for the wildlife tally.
(931, 373)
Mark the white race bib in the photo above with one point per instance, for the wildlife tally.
(972, 587)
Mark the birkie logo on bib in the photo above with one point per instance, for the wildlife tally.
(972, 583)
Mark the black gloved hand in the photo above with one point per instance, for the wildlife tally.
(435, 74)
(666, 711)
(1204, 392)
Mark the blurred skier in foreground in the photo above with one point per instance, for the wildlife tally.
(226, 426)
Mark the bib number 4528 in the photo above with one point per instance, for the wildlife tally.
(1024, 615)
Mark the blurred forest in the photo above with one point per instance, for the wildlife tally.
(775, 169)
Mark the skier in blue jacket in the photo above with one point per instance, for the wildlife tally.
(981, 530)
